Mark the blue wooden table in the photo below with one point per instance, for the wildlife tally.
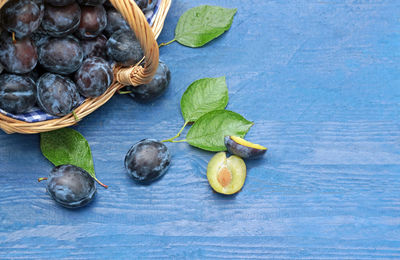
(321, 81)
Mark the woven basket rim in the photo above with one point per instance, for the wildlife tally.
(135, 75)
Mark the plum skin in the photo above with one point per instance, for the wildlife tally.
(147, 160)
(93, 22)
(21, 17)
(59, 2)
(57, 95)
(155, 87)
(19, 57)
(60, 21)
(115, 22)
(243, 151)
(17, 93)
(124, 48)
(61, 55)
(91, 2)
(94, 47)
(71, 186)
(94, 77)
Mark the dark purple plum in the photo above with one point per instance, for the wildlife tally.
(95, 47)
(61, 55)
(71, 186)
(61, 20)
(155, 88)
(57, 95)
(17, 57)
(21, 17)
(115, 22)
(93, 22)
(147, 160)
(59, 2)
(17, 93)
(93, 77)
(91, 2)
(242, 148)
(124, 48)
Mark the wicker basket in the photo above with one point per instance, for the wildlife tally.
(135, 75)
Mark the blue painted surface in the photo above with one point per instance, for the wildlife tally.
(320, 79)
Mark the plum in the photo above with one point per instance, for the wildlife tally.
(94, 47)
(243, 148)
(61, 20)
(71, 186)
(155, 87)
(61, 55)
(57, 95)
(59, 2)
(93, 21)
(115, 22)
(93, 77)
(226, 175)
(17, 57)
(147, 160)
(21, 17)
(17, 93)
(91, 2)
(124, 48)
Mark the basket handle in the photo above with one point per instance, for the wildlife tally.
(137, 75)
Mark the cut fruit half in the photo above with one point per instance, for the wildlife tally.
(226, 175)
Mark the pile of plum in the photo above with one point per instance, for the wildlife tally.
(54, 52)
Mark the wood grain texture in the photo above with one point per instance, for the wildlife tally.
(319, 79)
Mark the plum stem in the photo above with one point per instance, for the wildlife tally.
(99, 182)
(42, 179)
(75, 115)
(13, 37)
(124, 92)
(177, 135)
(166, 43)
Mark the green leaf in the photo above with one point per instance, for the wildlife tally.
(209, 130)
(203, 96)
(201, 24)
(67, 146)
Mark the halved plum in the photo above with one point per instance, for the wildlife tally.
(226, 175)
(242, 148)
